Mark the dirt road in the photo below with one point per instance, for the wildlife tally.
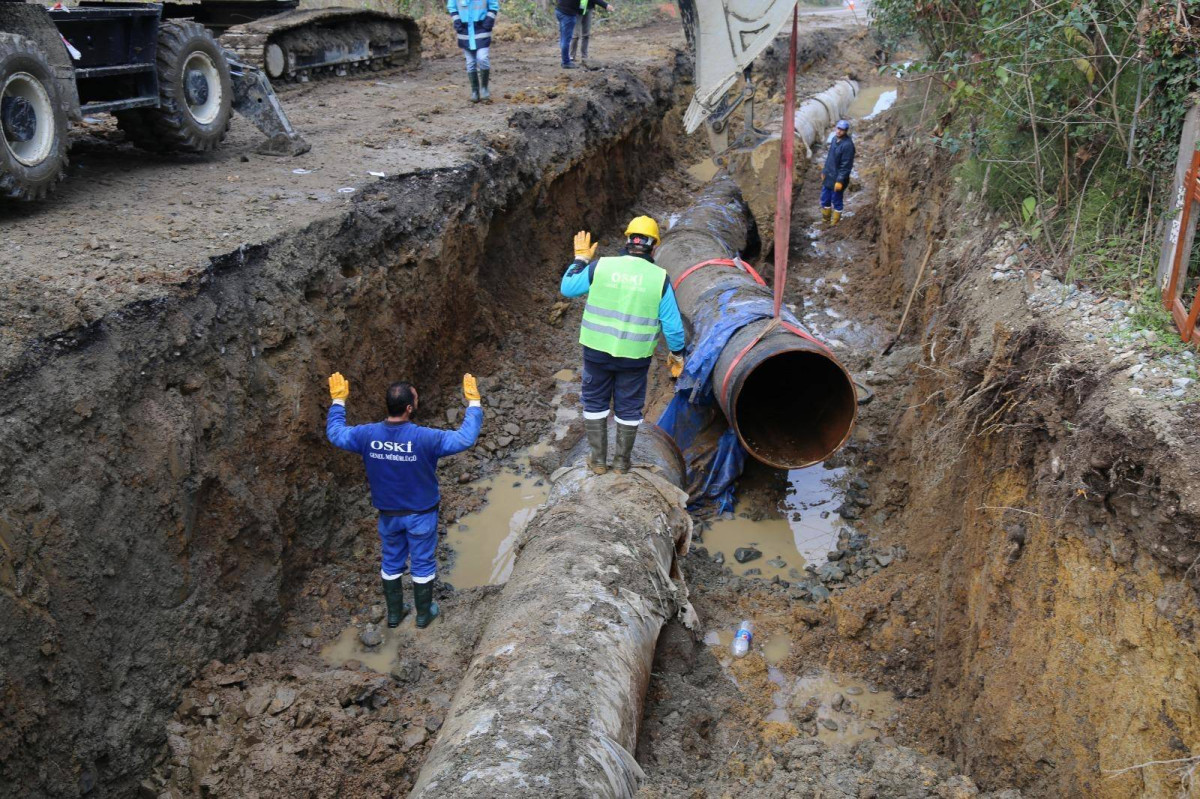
(129, 227)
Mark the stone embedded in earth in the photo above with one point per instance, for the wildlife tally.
(830, 573)
(406, 670)
(746, 554)
(259, 699)
(719, 558)
(284, 697)
(776, 563)
(829, 724)
(415, 736)
(370, 636)
(819, 592)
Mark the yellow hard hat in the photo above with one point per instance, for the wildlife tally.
(643, 226)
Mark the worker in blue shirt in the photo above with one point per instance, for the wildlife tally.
(401, 460)
(629, 298)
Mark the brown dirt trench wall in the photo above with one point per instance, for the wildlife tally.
(165, 474)
(1060, 637)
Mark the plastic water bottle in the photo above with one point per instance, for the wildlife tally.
(742, 639)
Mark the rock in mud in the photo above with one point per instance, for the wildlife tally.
(259, 700)
(829, 724)
(413, 738)
(848, 512)
(746, 554)
(777, 563)
(719, 558)
(830, 573)
(406, 670)
(370, 636)
(284, 697)
(819, 592)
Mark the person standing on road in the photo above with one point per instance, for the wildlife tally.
(567, 13)
(473, 21)
(836, 175)
(629, 297)
(583, 28)
(401, 461)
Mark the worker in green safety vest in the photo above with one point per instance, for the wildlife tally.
(629, 298)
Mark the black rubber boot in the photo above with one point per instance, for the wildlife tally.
(393, 593)
(474, 78)
(626, 435)
(484, 94)
(427, 609)
(597, 437)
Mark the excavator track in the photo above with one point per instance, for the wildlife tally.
(300, 45)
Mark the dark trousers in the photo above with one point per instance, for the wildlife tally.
(566, 29)
(624, 389)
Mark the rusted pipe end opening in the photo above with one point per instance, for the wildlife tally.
(794, 409)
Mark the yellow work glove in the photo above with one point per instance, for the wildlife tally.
(339, 387)
(470, 388)
(584, 248)
(675, 365)
(837, 187)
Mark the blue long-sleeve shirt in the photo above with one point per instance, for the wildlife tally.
(578, 280)
(401, 457)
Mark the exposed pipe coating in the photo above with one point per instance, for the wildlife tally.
(790, 401)
(551, 702)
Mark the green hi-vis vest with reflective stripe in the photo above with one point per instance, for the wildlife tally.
(621, 317)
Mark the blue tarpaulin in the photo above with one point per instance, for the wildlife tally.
(714, 455)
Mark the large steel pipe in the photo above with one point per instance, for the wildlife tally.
(790, 401)
(551, 702)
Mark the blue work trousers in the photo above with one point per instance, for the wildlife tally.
(566, 29)
(625, 389)
(412, 536)
(829, 196)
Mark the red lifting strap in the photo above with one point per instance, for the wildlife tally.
(775, 322)
(736, 264)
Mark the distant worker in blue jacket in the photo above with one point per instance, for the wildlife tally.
(836, 175)
(401, 459)
(473, 21)
(629, 297)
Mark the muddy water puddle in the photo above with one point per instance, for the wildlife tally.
(872, 101)
(804, 531)
(347, 647)
(834, 708)
(704, 171)
(484, 542)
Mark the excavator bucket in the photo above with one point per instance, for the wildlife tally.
(254, 99)
(725, 37)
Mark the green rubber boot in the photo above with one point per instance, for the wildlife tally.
(597, 438)
(484, 94)
(626, 435)
(393, 594)
(474, 78)
(427, 609)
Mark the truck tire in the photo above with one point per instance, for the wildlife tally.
(194, 89)
(33, 123)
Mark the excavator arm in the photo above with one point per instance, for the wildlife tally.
(725, 36)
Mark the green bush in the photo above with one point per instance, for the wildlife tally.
(1042, 100)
